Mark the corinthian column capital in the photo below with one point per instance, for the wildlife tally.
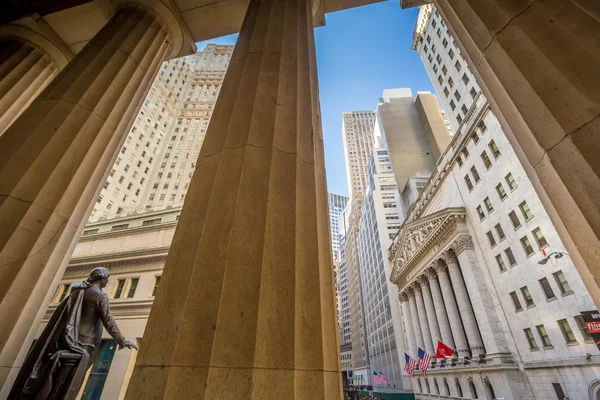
(461, 244)
(448, 257)
(403, 297)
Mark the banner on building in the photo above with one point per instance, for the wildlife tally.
(592, 322)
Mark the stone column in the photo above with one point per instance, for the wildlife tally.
(24, 73)
(412, 346)
(246, 305)
(464, 303)
(458, 332)
(54, 158)
(430, 311)
(423, 319)
(416, 324)
(539, 58)
(440, 308)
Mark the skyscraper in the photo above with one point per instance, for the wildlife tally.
(158, 157)
(357, 133)
(337, 203)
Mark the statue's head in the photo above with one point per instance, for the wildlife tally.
(100, 275)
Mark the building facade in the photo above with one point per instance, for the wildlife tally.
(470, 260)
(157, 159)
(381, 216)
(337, 203)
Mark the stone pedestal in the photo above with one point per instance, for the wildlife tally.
(54, 158)
(24, 73)
(246, 305)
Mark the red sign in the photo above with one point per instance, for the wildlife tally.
(593, 327)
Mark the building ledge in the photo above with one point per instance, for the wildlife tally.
(413, 3)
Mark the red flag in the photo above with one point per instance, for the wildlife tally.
(443, 350)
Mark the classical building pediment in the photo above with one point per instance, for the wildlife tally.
(419, 236)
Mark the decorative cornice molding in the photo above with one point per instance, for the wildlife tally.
(418, 237)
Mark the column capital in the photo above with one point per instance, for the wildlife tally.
(416, 286)
(403, 297)
(461, 244)
(423, 279)
(438, 266)
(431, 272)
(448, 257)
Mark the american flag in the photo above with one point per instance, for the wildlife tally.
(376, 377)
(424, 359)
(410, 365)
(384, 379)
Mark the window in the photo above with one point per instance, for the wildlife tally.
(488, 204)
(452, 105)
(526, 211)
(440, 80)
(560, 394)
(65, 291)
(119, 227)
(565, 328)
(450, 82)
(544, 335)
(491, 238)
(527, 246)
(458, 387)
(480, 213)
(516, 302)
(527, 296)
(458, 66)
(468, 182)
(500, 262)
(500, 232)
(459, 119)
(511, 257)
(119, 290)
(474, 135)
(473, 92)
(457, 95)
(475, 174)
(510, 180)
(501, 192)
(459, 161)
(155, 287)
(473, 389)
(444, 70)
(90, 232)
(587, 336)
(465, 78)
(539, 238)
(530, 339)
(547, 289)
(562, 283)
(451, 53)
(486, 160)
(494, 149)
(446, 92)
(464, 109)
(132, 287)
(465, 153)
(514, 219)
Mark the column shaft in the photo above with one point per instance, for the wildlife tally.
(423, 319)
(246, 306)
(440, 311)
(54, 158)
(412, 346)
(458, 333)
(24, 72)
(416, 324)
(431, 315)
(466, 310)
(503, 40)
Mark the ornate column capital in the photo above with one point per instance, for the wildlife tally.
(430, 272)
(423, 279)
(449, 257)
(438, 266)
(416, 287)
(461, 244)
(403, 297)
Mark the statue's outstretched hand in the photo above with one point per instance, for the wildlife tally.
(128, 344)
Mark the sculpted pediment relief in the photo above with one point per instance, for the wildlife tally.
(417, 237)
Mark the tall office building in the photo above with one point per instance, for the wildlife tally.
(345, 332)
(337, 203)
(381, 217)
(158, 157)
(357, 134)
(480, 265)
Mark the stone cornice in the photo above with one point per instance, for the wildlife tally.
(418, 237)
(113, 258)
(127, 232)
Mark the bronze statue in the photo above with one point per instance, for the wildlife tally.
(56, 365)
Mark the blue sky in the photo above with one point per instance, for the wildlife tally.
(360, 52)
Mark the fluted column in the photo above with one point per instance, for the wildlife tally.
(414, 314)
(440, 308)
(54, 157)
(246, 307)
(24, 72)
(464, 303)
(412, 346)
(458, 332)
(423, 319)
(430, 311)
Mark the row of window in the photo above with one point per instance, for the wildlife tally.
(124, 288)
(561, 281)
(565, 329)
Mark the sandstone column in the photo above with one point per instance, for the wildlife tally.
(538, 64)
(54, 158)
(458, 332)
(423, 319)
(246, 306)
(440, 308)
(464, 303)
(412, 346)
(416, 324)
(434, 328)
(24, 72)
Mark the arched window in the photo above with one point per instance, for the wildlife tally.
(489, 387)
(435, 386)
(446, 387)
(458, 388)
(427, 386)
(473, 389)
(420, 386)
